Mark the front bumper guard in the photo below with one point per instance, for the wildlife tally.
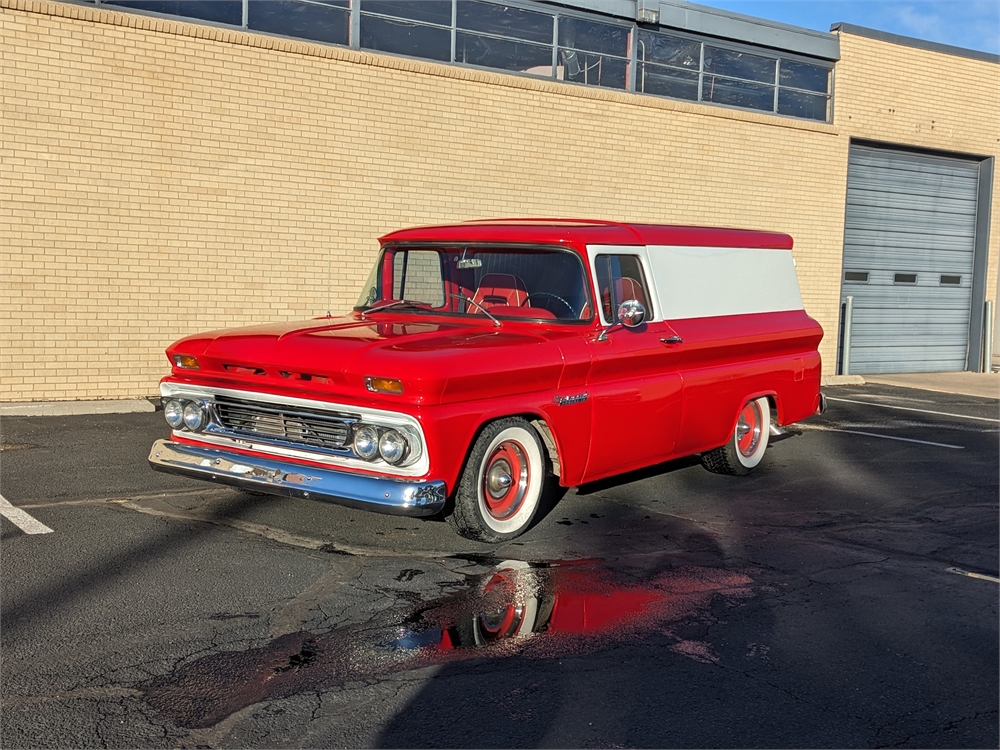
(401, 497)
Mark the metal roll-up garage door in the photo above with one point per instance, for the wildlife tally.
(909, 250)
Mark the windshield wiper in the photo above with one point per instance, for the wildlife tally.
(397, 303)
(473, 302)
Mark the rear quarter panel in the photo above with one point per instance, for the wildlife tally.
(729, 360)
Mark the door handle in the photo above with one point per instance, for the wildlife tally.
(675, 339)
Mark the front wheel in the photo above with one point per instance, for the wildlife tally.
(746, 447)
(501, 485)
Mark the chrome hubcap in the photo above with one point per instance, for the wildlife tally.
(498, 481)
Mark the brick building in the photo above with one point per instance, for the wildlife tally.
(164, 175)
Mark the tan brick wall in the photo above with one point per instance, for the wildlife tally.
(903, 95)
(161, 178)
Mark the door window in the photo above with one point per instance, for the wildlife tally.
(620, 278)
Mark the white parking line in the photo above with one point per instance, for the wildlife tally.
(884, 437)
(959, 571)
(22, 520)
(909, 408)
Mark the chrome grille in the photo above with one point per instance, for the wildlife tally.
(284, 424)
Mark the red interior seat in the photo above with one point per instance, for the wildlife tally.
(500, 289)
(625, 288)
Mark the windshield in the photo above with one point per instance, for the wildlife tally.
(499, 282)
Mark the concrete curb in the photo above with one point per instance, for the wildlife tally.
(828, 380)
(71, 408)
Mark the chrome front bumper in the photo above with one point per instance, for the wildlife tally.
(401, 497)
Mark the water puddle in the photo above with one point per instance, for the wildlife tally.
(535, 611)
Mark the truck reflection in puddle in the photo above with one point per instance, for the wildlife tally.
(520, 601)
(520, 609)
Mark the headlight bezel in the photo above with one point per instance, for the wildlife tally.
(199, 418)
(173, 412)
(369, 435)
(194, 415)
(385, 441)
(384, 434)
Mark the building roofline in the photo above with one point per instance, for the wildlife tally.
(724, 24)
(749, 29)
(908, 41)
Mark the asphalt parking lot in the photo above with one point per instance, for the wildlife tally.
(843, 595)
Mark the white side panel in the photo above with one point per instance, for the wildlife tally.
(705, 282)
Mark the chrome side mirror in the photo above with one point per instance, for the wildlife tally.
(631, 314)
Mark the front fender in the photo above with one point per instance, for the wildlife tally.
(451, 430)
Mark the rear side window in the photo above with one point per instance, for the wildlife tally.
(620, 278)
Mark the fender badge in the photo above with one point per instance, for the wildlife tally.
(567, 400)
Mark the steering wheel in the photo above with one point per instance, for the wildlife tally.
(549, 295)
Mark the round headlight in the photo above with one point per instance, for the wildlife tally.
(392, 447)
(173, 412)
(195, 416)
(366, 442)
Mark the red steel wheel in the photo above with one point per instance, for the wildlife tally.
(748, 429)
(506, 477)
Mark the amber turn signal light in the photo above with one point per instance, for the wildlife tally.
(384, 385)
(186, 362)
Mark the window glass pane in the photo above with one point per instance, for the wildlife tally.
(431, 11)
(530, 283)
(858, 276)
(491, 52)
(505, 21)
(593, 37)
(416, 275)
(804, 76)
(326, 21)
(619, 278)
(679, 84)
(546, 284)
(218, 11)
(594, 70)
(405, 38)
(800, 104)
(951, 280)
(668, 50)
(738, 93)
(739, 64)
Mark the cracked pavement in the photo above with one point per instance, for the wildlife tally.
(811, 604)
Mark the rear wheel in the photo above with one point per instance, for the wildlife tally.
(501, 485)
(746, 447)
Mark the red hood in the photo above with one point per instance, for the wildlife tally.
(436, 361)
